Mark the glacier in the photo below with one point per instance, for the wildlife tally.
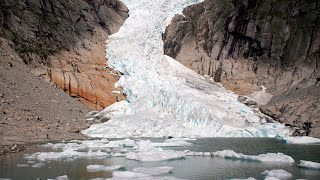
(164, 98)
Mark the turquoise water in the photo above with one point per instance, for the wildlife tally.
(188, 168)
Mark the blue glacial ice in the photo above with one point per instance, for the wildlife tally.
(164, 98)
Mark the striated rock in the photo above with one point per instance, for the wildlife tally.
(65, 42)
(247, 44)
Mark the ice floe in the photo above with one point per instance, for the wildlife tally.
(23, 165)
(277, 173)
(64, 177)
(299, 139)
(38, 165)
(97, 168)
(309, 164)
(68, 154)
(146, 152)
(172, 143)
(155, 171)
(269, 157)
(128, 175)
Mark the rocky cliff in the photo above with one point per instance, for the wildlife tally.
(64, 42)
(249, 43)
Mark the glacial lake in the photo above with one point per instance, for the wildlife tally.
(191, 167)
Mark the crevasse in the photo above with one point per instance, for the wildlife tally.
(164, 98)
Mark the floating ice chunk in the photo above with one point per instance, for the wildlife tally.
(155, 171)
(64, 177)
(155, 155)
(31, 162)
(271, 178)
(192, 153)
(299, 140)
(146, 152)
(174, 142)
(129, 175)
(5, 179)
(80, 145)
(118, 155)
(250, 178)
(277, 173)
(38, 165)
(125, 142)
(66, 154)
(97, 168)
(23, 165)
(309, 164)
(269, 157)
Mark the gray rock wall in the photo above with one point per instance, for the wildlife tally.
(248, 43)
(39, 28)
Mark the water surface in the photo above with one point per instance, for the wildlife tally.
(197, 168)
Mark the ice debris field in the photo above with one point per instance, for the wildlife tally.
(164, 98)
(146, 151)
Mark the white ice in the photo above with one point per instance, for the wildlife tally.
(309, 164)
(146, 152)
(269, 157)
(97, 168)
(69, 151)
(277, 173)
(68, 154)
(164, 98)
(299, 140)
(155, 171)
(37, 165)
(129, 175)
(64, 177)
(250, 178)
(22, 165)
(173, 143)
(192, 153)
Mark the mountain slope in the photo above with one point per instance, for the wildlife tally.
(247, 44)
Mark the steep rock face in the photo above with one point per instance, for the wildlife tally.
(65, 43)
(246, 44)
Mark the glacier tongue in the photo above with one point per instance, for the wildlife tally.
(164, 98)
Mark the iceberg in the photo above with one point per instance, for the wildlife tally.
(146, 152)
(97, 168)
(174, 142)
(299, 140)
(64, 177)
(309, 164)
(128, 175)
(277, 173)
(68, 154)
(164, 98)
(269, 157)
(155, 171)
(22, 165)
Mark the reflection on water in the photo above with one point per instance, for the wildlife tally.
(189, 168)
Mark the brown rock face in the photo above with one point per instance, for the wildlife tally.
(64, 41)
(246, 44)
